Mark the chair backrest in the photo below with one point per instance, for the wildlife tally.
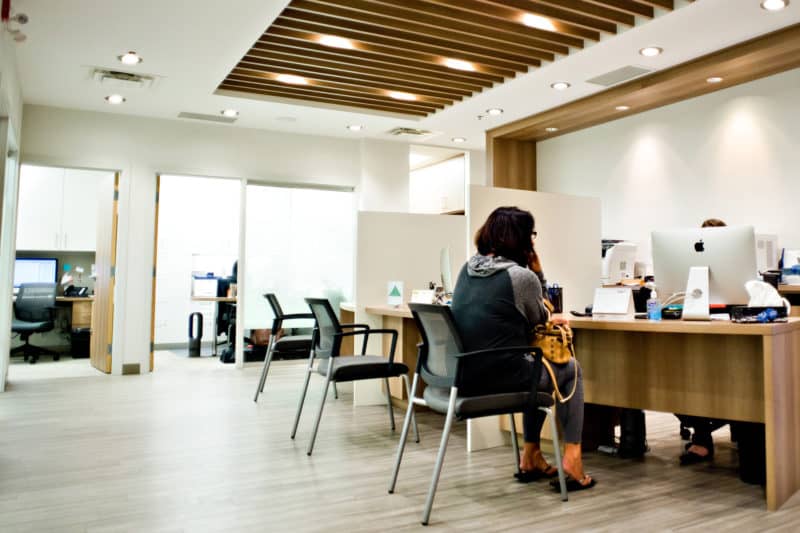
(273, 303)
(327, 342)
(35, 302)
(440, 343)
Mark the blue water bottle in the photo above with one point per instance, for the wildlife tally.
(653, 306)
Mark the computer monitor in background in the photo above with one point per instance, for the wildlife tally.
(444, 267)
(767, 252)
(618, 262)
(728, 252)
(35, 270)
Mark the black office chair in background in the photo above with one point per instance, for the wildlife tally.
(326, 346)
(34, 309)
(440, 364)
(285, 345)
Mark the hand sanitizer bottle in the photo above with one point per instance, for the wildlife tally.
(653, 306)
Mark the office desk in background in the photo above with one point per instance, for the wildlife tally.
(217, 300)
(746, 372)
(81, 310)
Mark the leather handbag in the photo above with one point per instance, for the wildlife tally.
(555, 342)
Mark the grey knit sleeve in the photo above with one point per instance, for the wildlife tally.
(528, 296)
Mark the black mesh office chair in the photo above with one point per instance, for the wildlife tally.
(33, 313)
(440, 364)
(326, 347)
(290, 344)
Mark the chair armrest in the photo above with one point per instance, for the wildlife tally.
(489, 351)
(297, 316)
(368, 332)
(277, 323)
(537, 361)
(354, 326)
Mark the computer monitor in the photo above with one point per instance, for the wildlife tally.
(728, 252)
(35, 270)
(618, 263)
(446, 272)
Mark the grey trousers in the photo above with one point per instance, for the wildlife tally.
(570, 414)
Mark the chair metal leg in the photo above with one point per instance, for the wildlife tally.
(437, 469)
(309, 370)
(321, 407)
(410, 393)
(514, 442)
(404, 434)
(389, 402)
(265, 369)
(335, 391)
(562, 481)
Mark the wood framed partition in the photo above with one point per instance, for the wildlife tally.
(106, 260)
(511, 148)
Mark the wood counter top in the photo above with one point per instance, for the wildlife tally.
(714, 327)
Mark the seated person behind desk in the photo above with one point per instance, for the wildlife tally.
(497, 302)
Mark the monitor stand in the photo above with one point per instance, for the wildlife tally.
(696, 302)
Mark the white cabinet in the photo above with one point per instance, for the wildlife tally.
(39, 210)
(58, 209)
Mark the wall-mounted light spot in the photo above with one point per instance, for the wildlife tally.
(622, 107)
(551, 129)
(335, 41)
(714, 79)
(538, 21)
(458, 64)
(291, 79)
(400, 95)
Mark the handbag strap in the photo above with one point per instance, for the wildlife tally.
(556, 392)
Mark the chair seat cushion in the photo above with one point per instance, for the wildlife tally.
(438, 399)
(22, 326)
(361, 367)
(293, 343)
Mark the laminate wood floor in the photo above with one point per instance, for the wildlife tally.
(186, 449)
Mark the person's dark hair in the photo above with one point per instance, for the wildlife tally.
(507, 232)
(713, 223)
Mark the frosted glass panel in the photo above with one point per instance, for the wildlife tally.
(198, 230)
(299, 244)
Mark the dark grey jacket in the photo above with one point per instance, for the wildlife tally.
(497, 303)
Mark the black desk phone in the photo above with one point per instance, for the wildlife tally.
(76, 292)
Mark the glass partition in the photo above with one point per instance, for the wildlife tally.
(299, 243)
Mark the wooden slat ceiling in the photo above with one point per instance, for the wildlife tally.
(403, 46)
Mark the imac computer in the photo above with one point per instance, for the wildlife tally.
(35, 270)
(710, 264)
(618, 262)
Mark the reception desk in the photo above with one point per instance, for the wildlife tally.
(746, 372)
(400, 319)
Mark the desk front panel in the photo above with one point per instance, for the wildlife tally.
(718, 376)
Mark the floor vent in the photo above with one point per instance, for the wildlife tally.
(209, 118)
(618, 76)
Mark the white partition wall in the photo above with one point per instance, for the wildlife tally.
(400, 247)
(568, 244)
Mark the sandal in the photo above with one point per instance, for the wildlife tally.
(691, 458)
(573, 485)
(528, 476)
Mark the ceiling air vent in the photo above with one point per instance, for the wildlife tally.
(618, 76)
(210, 118)
(412, 132)
(122, 80)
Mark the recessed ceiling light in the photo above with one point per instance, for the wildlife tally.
(494, 111)
(355, 127)
(458, 64)
(622, 108)
(230, 113)
(714, 79)
(336, 42)
(458, 139)
(774, 5)
(131, 58)
(115, 99)
(291, 79)
(560, 86)
(399, 95)
(551, 129)
(651, 51)
(538, 21)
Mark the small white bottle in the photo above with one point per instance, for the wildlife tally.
(653, 305)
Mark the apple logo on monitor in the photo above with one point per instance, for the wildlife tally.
(699, 246)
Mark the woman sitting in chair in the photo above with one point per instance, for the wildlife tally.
(498, 301)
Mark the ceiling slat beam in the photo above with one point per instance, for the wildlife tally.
(370, 32)
(587, 8)
(627, 6)
(570, 22)
(413, 16)
(663, 4)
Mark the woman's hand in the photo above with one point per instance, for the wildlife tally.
(559, 320)
(534, 263)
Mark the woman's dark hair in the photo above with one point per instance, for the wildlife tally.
(713, 223)
(507, 232)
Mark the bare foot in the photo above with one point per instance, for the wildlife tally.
(696, 449)
(573, 464)
(532, 459)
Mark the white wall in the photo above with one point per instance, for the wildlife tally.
(142, 147)
(732, 155)
(384, 176)
(438, 188)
